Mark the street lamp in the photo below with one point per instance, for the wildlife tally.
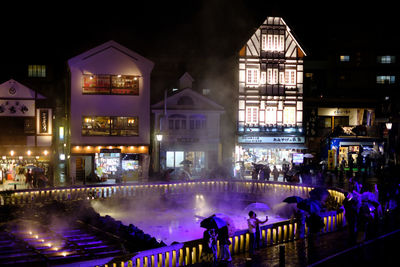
(159, 138)
(388, 127)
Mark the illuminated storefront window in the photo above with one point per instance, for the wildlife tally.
(110, 126)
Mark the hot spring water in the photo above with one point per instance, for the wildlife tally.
(178, 219)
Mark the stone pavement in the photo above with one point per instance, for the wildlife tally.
(331, 249)
(297, 253)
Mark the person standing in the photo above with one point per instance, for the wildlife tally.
(29, 179)
(267, 172)
(275, 173)
(253, 223)
(210, 248)
(224, 243)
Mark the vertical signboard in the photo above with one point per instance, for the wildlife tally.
(43, 122)
(331, 159)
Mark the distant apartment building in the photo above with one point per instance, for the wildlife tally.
(109, 114)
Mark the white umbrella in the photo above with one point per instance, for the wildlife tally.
(308, 156)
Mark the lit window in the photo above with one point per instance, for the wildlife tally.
(252, 115)
(270, 115)
(37, 71)
(264, 42)
(382, 79)
(289, 115)
(110, 126)
(290, 77)
(252, 76)
(272, 42)
(263, 77)
(272, 76)
(206, 91)
(386, 59)
(344, 58)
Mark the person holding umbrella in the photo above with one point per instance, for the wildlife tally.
(210, 248)
(212, 224)
(254, 230)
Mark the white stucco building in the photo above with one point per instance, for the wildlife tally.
(109, 112)
(190, 125)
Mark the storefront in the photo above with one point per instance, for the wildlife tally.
(109, 164)
(274, 151)
(13, 168)
(345, 147)
(177, 159)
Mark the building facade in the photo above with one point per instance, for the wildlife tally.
(27, 133)
(270, 115)
(190, 127)
(109, 114)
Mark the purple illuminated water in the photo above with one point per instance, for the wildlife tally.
(178, 220)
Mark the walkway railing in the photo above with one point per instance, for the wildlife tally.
(189, 252)
(129, 190)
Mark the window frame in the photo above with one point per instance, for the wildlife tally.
(110, 129)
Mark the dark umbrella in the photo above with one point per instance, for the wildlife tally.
(293, 199)
(213, 222)
(310, 205)
(37, 169)
(318, 193)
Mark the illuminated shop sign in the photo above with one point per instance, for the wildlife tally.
(20, 108)
(43, 121)
(110, 84)
(272, 140)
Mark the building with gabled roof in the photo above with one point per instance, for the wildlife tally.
(190, 127)
(109, 113)
(27, 133)
(270, 115)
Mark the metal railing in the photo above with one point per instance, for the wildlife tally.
(189, 252)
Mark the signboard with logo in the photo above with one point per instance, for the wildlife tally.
(331, 159)
(17, 108)
(272, 140)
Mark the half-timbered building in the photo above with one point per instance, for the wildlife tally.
(270, 108)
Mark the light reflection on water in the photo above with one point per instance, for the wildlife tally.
(180, 222)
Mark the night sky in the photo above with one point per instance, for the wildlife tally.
(178, 36)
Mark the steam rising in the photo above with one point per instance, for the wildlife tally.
(177, 218)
